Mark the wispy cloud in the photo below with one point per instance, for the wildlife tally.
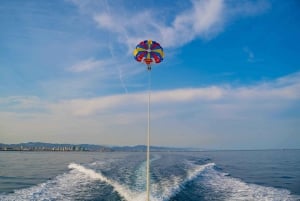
(86, 65)
(235, 108)
(87, 107)
(247, 8)
(249, 53)
(22, 103)
(254, 95)
(203, 19)
(251, 57)
(283, 89)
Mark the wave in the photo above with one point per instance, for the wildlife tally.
(60, 188)
(80, 179)
(169, 187)
(235, 189)
(161, 191)
(139, 182)
(63, 187)
(122, 190)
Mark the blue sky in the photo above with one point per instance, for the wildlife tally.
(230, 78)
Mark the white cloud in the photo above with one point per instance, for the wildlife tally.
(93, 106)
(21, 103)
(247, 8)
(283, 89)
(216, 115)
(203, 19)
(280, 90)
(104, 20)
(86, 65)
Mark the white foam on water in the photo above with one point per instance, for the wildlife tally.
(140, 178)
(140, 175)
(236, 189)
(121, 190)
(60, 188)
(160, 191)
(167, 188)
(63, 187)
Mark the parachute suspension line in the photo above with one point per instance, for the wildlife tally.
(148, 135)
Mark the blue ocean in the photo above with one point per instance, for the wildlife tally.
(175, 176)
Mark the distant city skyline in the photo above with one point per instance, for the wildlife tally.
(230, 78)
(43, 146)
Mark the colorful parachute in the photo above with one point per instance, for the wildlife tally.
(148, 52)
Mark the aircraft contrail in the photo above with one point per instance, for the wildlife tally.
(110, 47)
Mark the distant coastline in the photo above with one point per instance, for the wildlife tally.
(41, 146)
(57, 147)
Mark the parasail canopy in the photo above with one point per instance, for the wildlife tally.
(148, 52)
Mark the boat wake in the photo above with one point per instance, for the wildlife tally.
(230, 188)
(162, 190)
(84, 183)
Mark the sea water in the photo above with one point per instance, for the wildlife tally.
(175, 176)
